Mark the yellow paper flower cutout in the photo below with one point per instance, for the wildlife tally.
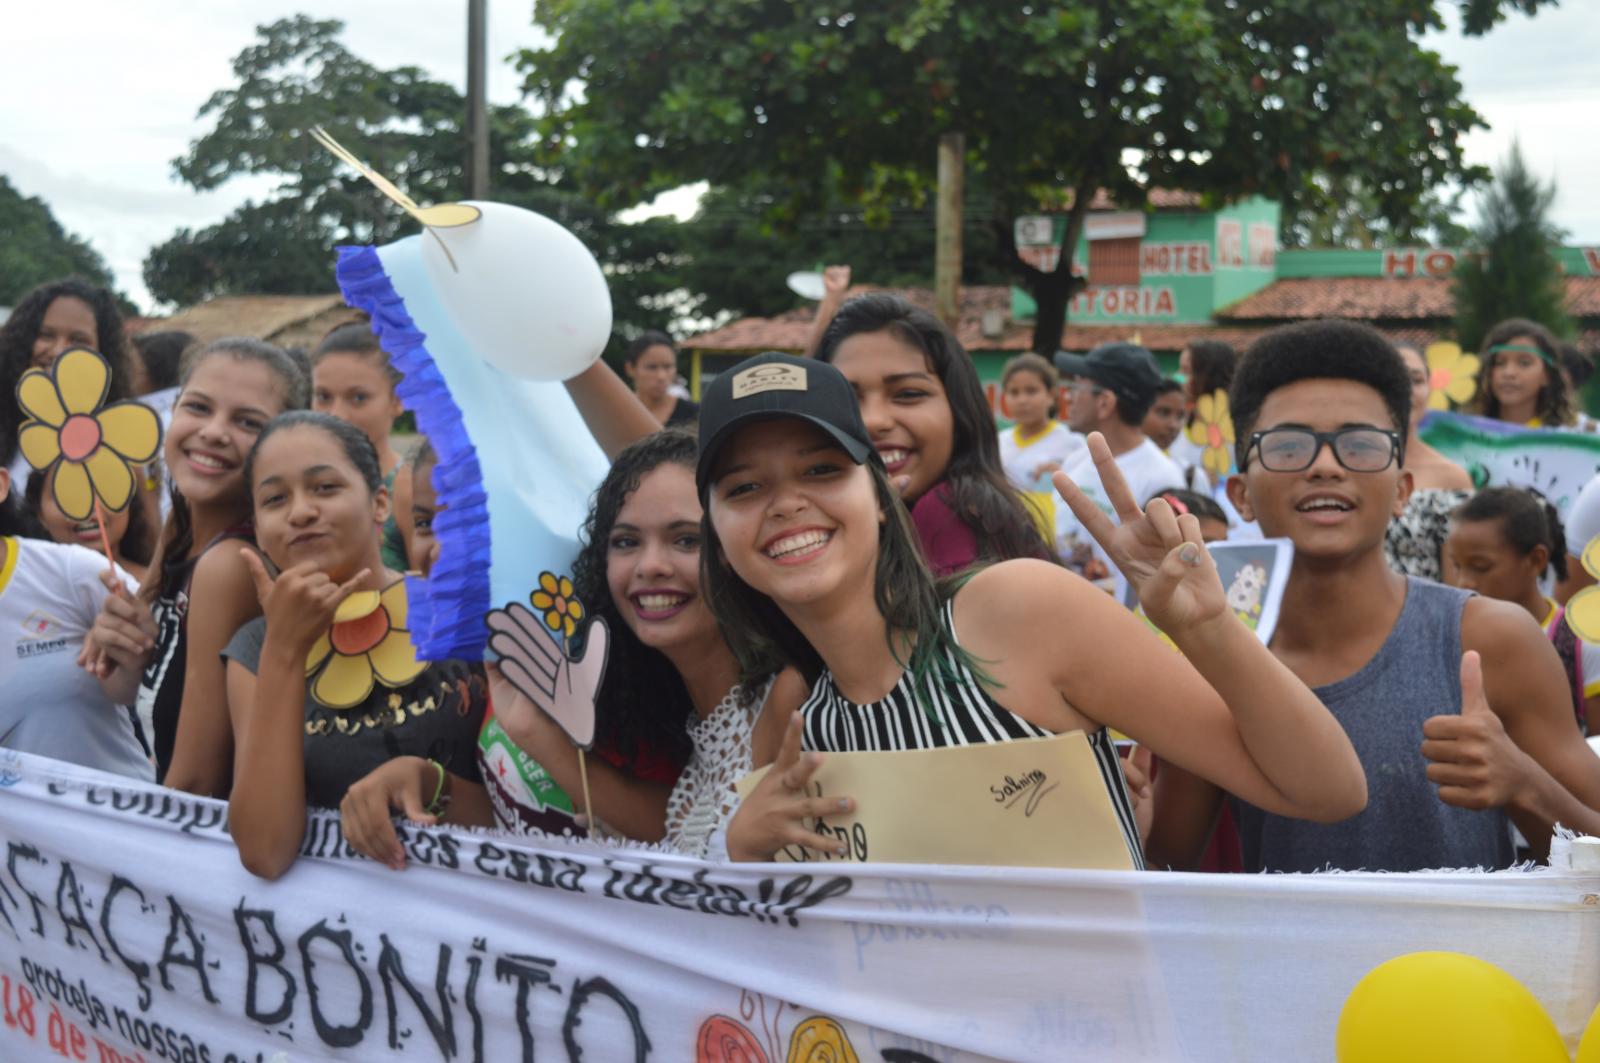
(1452, 375)
(1212, 429)
(89, 448)
(557, 600)
(367, 644)
(1583, 611)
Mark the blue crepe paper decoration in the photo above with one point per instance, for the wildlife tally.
(459, 585)
(516, 462)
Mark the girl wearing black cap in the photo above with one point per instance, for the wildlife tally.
(809, 555)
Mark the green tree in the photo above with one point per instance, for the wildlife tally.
(37, 249)
(298, 74)
(1353, 220)
(1056, 98)
(741, 244)
(1511, 270)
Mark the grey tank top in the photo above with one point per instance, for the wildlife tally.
(1415, 674)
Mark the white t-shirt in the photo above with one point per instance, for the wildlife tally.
(50, 594)
(1020, 456)
(1583, 519)
(162, 402)
(1148, 472)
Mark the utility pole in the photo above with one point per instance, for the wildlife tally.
(477, 100)
(947, 229)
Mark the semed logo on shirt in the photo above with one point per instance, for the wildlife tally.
(770, 377)
(41, 634)
(39, 624)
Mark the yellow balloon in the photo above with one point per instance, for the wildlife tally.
(1444, 1007)
(1589, 1047)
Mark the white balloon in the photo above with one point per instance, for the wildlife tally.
(525, 293)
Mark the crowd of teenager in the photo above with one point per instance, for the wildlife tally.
(830, 552)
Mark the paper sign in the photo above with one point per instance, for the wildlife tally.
(1036, 802)
(1254, 573)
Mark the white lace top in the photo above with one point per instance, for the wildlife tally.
(703, 800)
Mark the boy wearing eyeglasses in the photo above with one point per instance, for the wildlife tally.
(1455, 704)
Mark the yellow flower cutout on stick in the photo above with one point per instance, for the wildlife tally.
(1212, 429)
(88, 447)
(367, 644)
(1583, 611)
(557, 600)
(1452, 375)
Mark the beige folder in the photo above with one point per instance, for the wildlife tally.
(1037, 802)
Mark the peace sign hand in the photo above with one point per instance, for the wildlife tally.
(563, 686)
(1159, 553)
(299, 604)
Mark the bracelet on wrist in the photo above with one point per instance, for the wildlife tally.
(440, 800)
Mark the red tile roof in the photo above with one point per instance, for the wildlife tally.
(1368, 298)
(1410, 310)
(1377, 299)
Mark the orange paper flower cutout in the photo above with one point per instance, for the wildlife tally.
(89, 448)
(1452, 375)
(1212, 429)
(557, 600)
(367, 644)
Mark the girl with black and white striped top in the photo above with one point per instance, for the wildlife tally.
(810, 559)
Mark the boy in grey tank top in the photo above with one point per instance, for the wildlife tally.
(1452, 749)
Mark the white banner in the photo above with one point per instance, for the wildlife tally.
(129, 932)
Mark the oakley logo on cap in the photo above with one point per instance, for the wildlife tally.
(770, 377)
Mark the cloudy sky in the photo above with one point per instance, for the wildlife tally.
(98, 96)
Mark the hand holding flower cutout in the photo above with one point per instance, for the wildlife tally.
(542, 670)
(90, 448)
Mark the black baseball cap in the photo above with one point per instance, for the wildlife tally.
(773, 385)
(1127, 370)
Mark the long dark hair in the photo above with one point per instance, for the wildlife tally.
(356, 338)
(357, 447)
(22, 328)
(980, 494)
(643, 703)
(646, 340)
(138, 539)
(15, 518)
(908, 597)
(1554, 405)
(1211, 364)
(177, 536)
(1527, 519)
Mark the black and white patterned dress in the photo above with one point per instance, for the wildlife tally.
(955, 711)
(1415, 541)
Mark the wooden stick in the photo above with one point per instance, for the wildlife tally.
(105, 539)
(588, 804)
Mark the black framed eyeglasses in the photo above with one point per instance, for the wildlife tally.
(1358, 448)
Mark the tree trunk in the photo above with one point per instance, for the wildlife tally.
(1052, 292)
(947, 231)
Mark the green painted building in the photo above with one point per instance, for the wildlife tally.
(1170, 275)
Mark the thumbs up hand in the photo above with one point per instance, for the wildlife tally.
(1472, 760)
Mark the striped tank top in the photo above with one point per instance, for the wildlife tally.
(955, 711)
